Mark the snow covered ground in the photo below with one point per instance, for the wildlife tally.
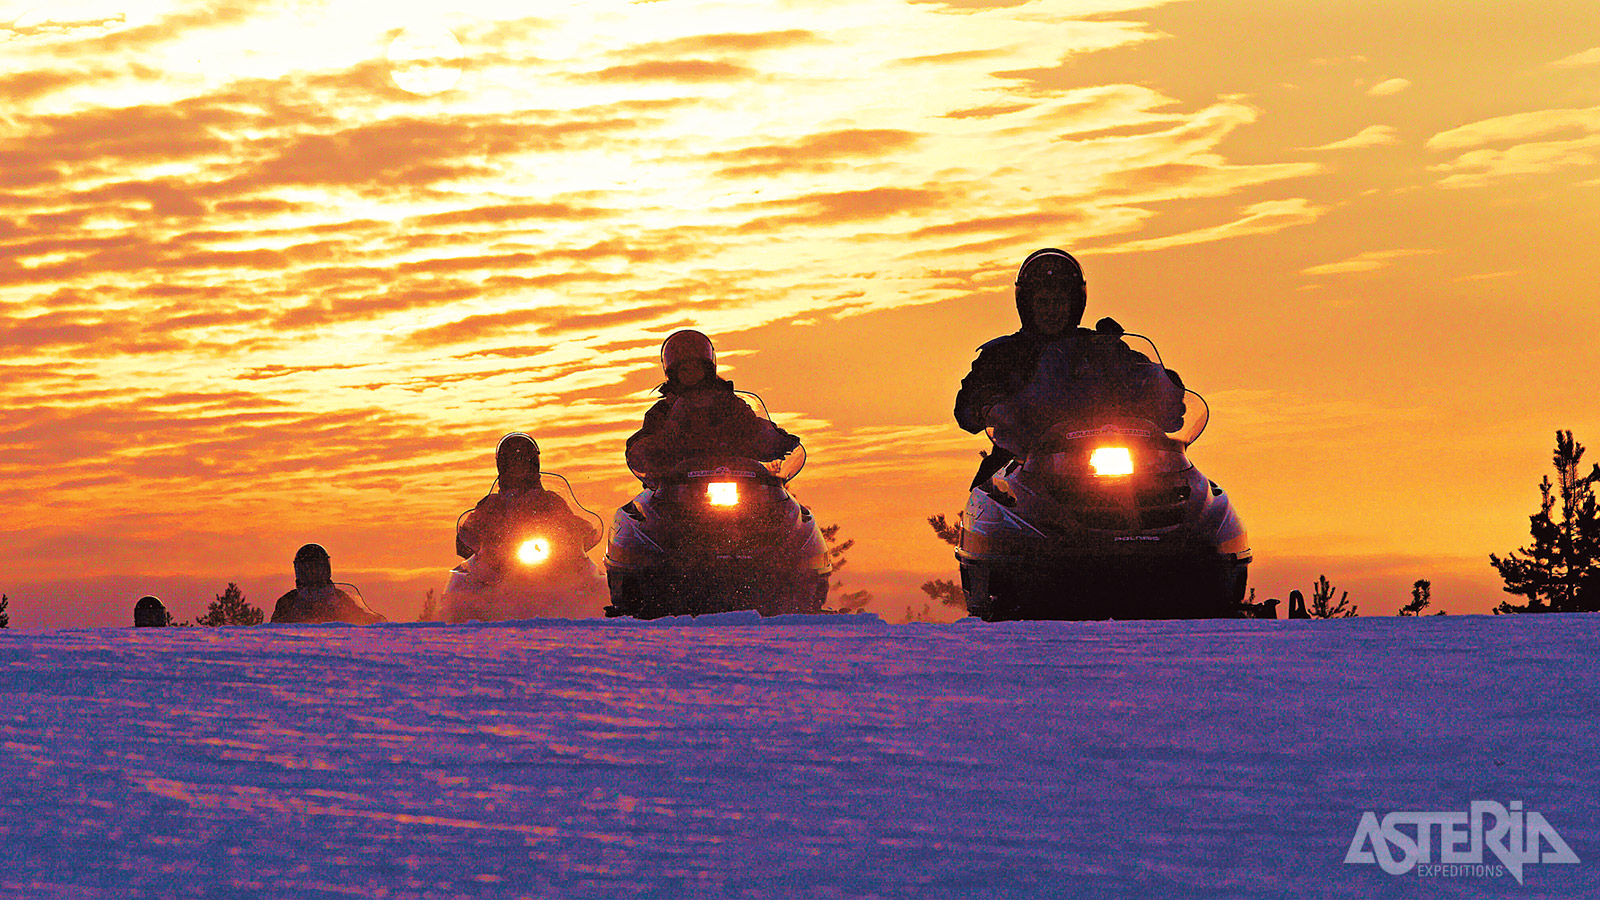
(832, 757)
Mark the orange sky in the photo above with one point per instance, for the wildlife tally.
(254, 293)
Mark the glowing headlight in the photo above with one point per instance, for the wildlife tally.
(1111, 461)
(723, 493)
(533, 552)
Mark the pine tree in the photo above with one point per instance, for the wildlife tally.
(844, 601)
(1421, 596)
(944, 590)
(430, 607)
(1560, 570)
(230, 608)
(5, 616)
(950, 534)
(1322, 605)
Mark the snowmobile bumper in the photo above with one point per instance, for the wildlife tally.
(1127, 585)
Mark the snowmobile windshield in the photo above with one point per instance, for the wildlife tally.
(788, 467)
(719, 467)
(731, 487)
(1085, 383)
(1114, 449)
(562, 488)
(535, 522)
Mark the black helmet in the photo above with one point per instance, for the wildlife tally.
(149, 612)
(683, 346)
(312, 566)
(1050, 266)
(516, 460)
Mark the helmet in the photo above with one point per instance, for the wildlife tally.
(516, 459)
(1049, 266)
(685, 345)
(312, 566)
(148, 612)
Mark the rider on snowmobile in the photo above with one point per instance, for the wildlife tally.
(521, 499)
(699, 413)
(315, 598)
(150, 612)
(1107, 375)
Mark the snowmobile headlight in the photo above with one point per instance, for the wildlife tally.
(534, 551)
(1111, 461)
(723, 493)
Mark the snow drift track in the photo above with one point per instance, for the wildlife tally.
(800, 757)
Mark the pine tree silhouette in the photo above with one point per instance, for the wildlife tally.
(1322, 605)
(1421, 596)
(1560, 570)
(944, 590)
(844, 601)
(230, 608)
(5, 616)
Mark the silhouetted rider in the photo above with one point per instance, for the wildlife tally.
(315, 598)
(1092, 372)
(700, 414)
(519, 501)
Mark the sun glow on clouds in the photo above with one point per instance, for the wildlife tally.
(240, 258)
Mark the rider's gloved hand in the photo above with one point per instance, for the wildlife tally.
(1108, 325)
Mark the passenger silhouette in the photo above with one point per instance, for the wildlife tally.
(699, 414)
(150, 613)
(520, 499)
(315, 598)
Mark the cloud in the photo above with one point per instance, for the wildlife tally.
(1369, 261)
(952, 56)
(1371, 136)
(261, 373)
(731, 42)
(1518, 127)
(854, 206)
(690, 70)
(1584, 59)
(343, 291)
(1388, 88)
(1542, 141)
(1258, 218)
(988, 111)
(814, 153)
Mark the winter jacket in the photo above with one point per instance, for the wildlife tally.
(708, 418)
(310, 604)
(1104, 376)
(497, 514)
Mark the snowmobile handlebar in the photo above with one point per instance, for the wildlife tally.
(716, 466)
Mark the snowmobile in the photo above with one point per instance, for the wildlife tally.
(534, 569)
(716, 534)
(1102, 516)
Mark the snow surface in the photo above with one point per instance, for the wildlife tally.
(825, 757)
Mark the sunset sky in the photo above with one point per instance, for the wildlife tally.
(278, 273)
